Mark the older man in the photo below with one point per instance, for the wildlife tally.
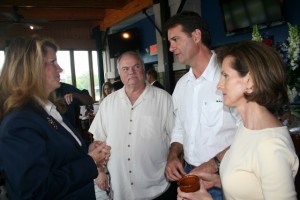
(136, 121)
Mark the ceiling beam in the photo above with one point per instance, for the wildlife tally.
(113, 17)
(63, 14)
(66, 3)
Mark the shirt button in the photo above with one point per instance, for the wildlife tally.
(131, 120)
(130, 171)
(129, 133)
(128, 159)
(129, 145)
(131, 108)
(131, 183)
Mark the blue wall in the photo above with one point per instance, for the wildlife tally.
(147, 36)
(211, 12)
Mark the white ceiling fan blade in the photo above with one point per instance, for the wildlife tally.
(10, 16)
(33, 26)
(29, 25)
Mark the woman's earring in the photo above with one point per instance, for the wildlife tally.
(248, 90)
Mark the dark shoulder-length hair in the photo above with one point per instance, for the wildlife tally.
(266, 69)
(109, 84)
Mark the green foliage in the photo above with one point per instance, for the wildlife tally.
(291, 55)
(255, 34)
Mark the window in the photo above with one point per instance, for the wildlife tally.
(1, 59)
(63, 59)
(82, 71)
(96, 75)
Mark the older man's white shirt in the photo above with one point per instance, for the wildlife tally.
(139, 136)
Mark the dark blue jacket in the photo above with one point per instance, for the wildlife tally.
(157, 84)
(73, 110)
(41, 160)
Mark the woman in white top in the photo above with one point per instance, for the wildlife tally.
(261, 162)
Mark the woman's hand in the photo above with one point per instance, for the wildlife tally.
(100, 152)
(209, 179)
(209, 167)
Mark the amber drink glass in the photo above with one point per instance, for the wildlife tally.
(189, 183)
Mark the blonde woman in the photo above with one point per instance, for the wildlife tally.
(42, 156)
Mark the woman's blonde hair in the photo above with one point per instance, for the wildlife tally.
(22, 76)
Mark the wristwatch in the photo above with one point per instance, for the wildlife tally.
(217, 161)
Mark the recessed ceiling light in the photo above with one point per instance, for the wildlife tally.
(126, 35)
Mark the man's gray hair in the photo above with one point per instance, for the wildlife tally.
(132, 53)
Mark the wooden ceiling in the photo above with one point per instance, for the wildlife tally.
(105, 13)
(65, 18)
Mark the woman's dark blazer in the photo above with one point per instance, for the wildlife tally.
(41, 160)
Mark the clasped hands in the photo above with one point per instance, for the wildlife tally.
(103, 151)
(100, 152)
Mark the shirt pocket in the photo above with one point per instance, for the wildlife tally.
(212, 113)
(151, 127)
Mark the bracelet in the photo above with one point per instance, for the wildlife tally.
(217, 161)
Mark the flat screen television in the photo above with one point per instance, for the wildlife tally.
(122, 41)
(240, 15)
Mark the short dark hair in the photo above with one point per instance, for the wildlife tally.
(190, 21)
(152, 72)
(266, 69)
